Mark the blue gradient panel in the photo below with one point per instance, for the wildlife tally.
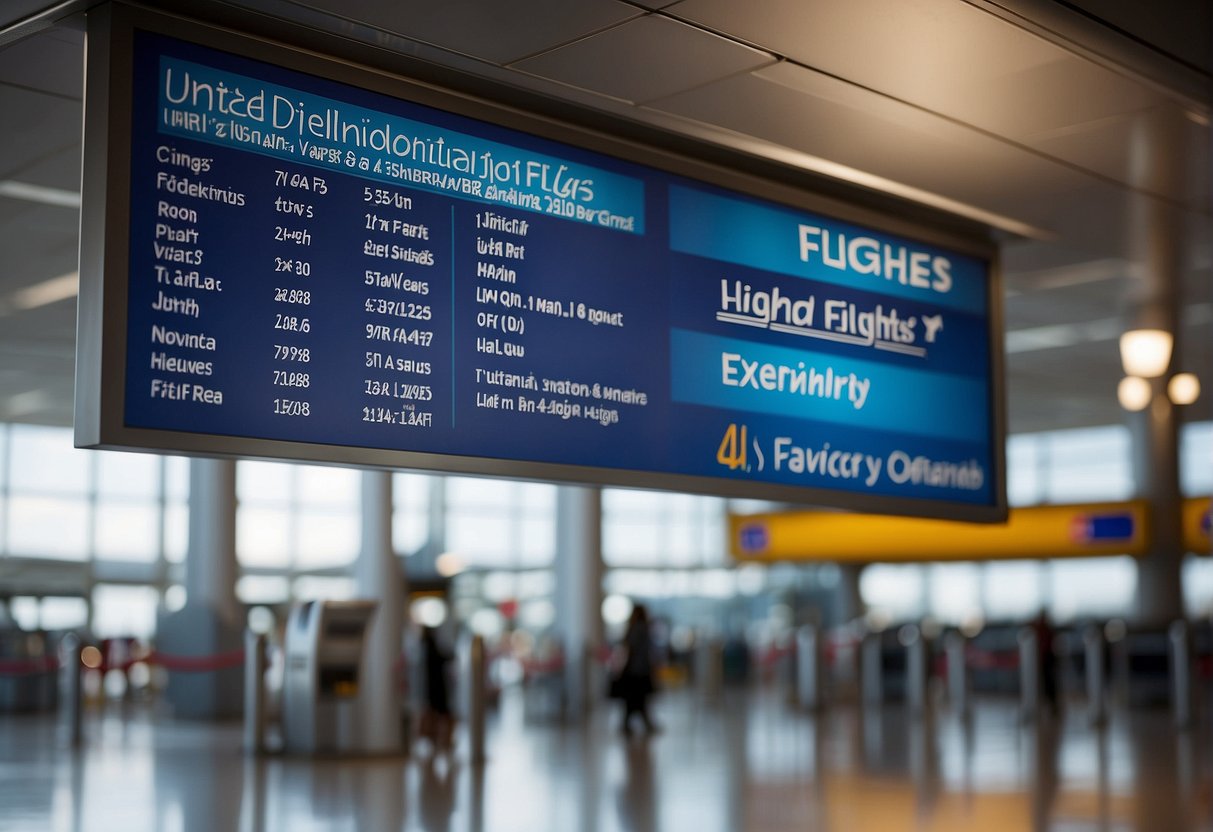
(858, 393)
(766, 236)
(292, 124)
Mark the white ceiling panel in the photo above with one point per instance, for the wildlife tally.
(947, 56)
(1161, 151)
(36, 125)
(650, 57)
(822, 116)
(57, 169)
(37, 243)
(50, 62)
(499, 32)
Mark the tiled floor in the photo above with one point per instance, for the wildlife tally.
(744, 763)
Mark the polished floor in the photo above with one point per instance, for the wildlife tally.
(745, 762)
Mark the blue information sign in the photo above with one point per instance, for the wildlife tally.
(314, 262)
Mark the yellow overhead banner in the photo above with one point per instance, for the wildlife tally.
(1196, 525)
(1084, 530)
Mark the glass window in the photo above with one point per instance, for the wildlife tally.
(537, 497)
(625, 502)
(752, 506)
(263, 482)
(1196, 459)
(894, 590)
(124, 611)
(322, 486)
(1012, 590)
(1090, 464)
(681, 541)
(410, 530)
(128, 475)
(327, 539)
(476, 491)
(658, 529)
(411, 489)
(1092, 587)
(128, 531)
(177, 478)
(537, 546)
(43, 460)
(633, 583)
(263, 589)
(263, 536)
(1024, 486)
(314, 588)
(635, 543)
(3, 457)
(483, 539)
(59, 613)
(411, 511)
(176, 532)
(1198, 586)
(49, 527)
(955, 592)
(24, 611)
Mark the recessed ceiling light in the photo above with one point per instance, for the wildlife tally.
(39, 193)
(47, 292)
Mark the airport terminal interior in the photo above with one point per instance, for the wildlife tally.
(177, 626)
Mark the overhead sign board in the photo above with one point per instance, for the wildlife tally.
(302, 259)
(1051, 531)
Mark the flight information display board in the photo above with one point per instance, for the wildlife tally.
(299, 264)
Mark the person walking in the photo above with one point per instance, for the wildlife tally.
(437, 721)
(634, 683)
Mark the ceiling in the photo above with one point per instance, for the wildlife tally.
(1083, 141)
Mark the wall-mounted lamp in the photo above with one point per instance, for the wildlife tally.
(1133, 393)
(1145, 352)
(1183, 388)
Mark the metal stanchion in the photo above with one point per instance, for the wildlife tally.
(916, 668)
(809, 668)
(255, 663)
(71, 691)
(1029, 674)
(709, 668)
(1181, 673)
(1092, 642)
(476, 699)
(959, 679)
(871, 678)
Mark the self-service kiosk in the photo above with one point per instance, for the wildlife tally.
(324, 647)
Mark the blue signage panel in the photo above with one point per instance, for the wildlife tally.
(315, 262)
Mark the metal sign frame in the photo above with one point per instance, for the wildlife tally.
(105, 257)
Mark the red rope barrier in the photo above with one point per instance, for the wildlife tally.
(180, 664)
(28, 667)
(197, 664)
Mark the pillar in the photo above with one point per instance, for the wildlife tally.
(212, 621)
(579, 594)
(1156, 470)
(211, 567)
(850, 601)
(377, 575)
(1155, 430)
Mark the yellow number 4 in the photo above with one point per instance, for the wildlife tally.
(732, 448)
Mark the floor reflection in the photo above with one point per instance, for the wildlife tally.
(742, 762)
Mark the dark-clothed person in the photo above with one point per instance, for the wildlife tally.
(436, 721)
(634, 684)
